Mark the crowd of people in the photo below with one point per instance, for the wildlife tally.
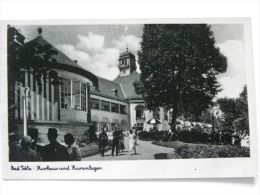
(28, 149)
(118, 139)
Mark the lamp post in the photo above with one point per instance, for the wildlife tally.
(25, 110)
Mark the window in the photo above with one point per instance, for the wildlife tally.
(139, 126)
(122, 109)
(66, 94)
(139, 111)
(83, 97)
(113, 125)
(76, 95)
(95, 103)
(73, 95)
(105, 105)
(114, 107)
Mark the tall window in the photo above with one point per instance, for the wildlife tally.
(66, 94)
(114, 107)
(122, 109)
(95, 103)
(73, 95)
(139, 111)
(105, 105)
(76, 95)
(83, 97)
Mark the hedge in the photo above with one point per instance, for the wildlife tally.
(187, 150)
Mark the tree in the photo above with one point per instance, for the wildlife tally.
(179, 67)
(235, 112)
(31, 57)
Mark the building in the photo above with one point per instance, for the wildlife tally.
(82, 99)
(65, 106)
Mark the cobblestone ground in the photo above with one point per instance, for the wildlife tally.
(145, 151)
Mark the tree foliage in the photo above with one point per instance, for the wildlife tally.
(179, 66)
(235, 112)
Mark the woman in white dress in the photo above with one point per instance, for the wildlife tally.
(132, 141)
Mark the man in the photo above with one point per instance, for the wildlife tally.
(102, 142)
(115, 142)
(25, 153)
(54, 151)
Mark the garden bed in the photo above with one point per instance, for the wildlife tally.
(189, 150)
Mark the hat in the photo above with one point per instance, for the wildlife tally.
(52, 131)
(26, 140)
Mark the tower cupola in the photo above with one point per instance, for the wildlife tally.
(127, 63)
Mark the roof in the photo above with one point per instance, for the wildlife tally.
(62, 61)
(126, 82)
(108, 89)
(126, 54)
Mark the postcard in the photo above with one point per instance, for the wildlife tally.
(127, 99)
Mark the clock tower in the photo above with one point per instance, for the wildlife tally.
(127, 63)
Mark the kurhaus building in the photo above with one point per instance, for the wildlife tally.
(83, 99)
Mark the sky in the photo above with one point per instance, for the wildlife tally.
(97, 48)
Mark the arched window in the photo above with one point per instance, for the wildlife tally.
(139, 111)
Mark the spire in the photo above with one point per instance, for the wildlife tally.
(127, 47)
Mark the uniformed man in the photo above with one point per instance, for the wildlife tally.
(102, 142)
(115, 142)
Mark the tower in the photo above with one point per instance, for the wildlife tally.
(127, 63)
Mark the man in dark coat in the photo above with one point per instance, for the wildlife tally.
(54, 151)
(115, 142)
(102, 142)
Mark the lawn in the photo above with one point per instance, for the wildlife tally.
(189, 150)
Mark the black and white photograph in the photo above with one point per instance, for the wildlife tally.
(128, 92)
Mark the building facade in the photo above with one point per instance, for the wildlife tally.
(65, 106)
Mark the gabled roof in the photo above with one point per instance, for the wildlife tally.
(62, 61)
(126, 82)
(108, 89)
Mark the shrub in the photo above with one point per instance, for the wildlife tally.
(144, 135)
(156, 136)
(187, 150)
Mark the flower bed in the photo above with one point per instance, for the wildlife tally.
(188, 150)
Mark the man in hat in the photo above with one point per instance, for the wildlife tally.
(24, 153)
(54, 151)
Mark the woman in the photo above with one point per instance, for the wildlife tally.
(132, 141)
(72, 149)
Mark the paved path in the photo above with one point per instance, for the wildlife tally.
(145, 151)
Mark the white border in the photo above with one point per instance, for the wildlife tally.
(141, 169)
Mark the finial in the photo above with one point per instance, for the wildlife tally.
(39, 31)
(127, 47)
